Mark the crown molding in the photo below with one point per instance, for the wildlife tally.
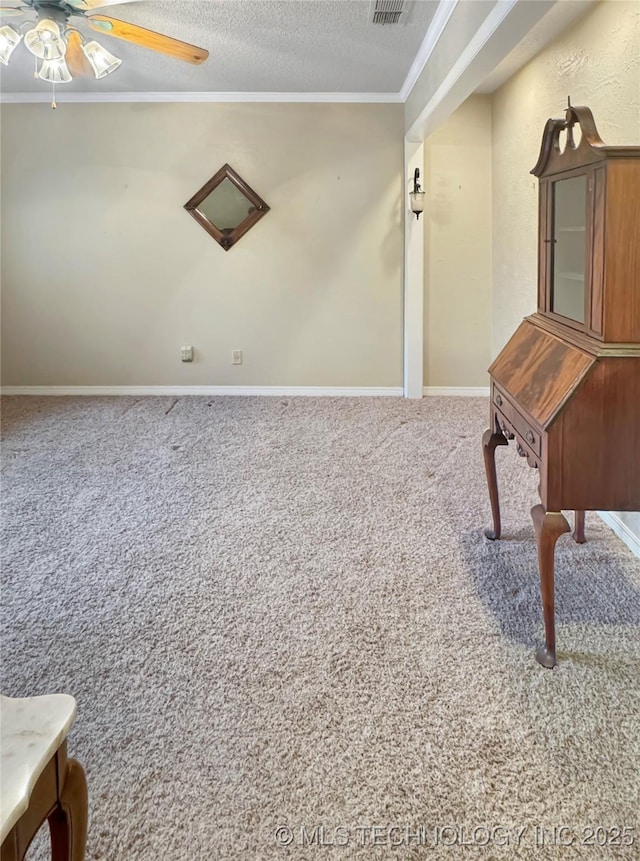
(431, 39)
(491, 24)
(85, 98)
(435, 31)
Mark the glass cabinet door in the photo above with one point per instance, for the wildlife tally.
(568, 248)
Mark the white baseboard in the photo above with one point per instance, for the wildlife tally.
(456, 391)
(621, 530)
(209, 391)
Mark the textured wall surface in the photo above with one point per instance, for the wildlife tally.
(597, 63)
(457, 260)
(105, 276)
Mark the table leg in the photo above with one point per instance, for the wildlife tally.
(10, 847)
(549, 526)
(490, 440)
(578, 530)
(59, 796)
(68, 821)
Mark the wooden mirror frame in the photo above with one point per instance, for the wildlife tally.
(227, 240)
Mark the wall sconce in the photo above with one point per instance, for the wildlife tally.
(417, 195)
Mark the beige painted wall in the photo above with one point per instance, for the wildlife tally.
(457, 224)
(105, 276)
(598, 63)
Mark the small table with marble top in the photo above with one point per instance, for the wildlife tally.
(38, 781)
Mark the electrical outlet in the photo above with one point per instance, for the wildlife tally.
(236, 357)
(186, 354)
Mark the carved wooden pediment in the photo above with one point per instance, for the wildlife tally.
(591, 147)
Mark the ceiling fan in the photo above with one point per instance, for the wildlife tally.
(50, 33)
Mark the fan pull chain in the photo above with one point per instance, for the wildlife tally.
(35, 67)
(53, 95)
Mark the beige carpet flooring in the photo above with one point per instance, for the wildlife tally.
(289, 639)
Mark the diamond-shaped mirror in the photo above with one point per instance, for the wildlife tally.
(226, 207)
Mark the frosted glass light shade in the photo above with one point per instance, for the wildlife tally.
(45, 40)
(8, 41)
(102, 62)
(417, 201)
(55, 71)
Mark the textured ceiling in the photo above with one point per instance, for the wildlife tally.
(559, 17)
(255, 46)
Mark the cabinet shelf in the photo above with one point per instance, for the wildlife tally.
(577, 229)
(570, 276)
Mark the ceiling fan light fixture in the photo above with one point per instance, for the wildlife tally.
(55, 71)
(9, 38)
(102, 61)
(45, 41)
(54, 39)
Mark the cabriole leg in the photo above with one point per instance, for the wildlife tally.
(489, 442)
(549, 526)
(578, 529)
(68, 822)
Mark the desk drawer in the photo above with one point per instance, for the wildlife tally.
(522, 426)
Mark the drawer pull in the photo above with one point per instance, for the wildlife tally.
(530, 437)
(499, 400)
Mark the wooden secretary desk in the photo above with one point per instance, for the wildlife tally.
(566, 386)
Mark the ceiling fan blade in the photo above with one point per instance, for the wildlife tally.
(76, 61)
(10, 11)
(147, 38)
(88, 5)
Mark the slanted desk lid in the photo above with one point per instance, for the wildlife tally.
(540, 371)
